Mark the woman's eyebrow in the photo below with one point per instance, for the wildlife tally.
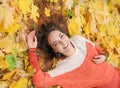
(55, 40)
(60, 34)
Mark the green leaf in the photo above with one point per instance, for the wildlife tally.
(10, 59)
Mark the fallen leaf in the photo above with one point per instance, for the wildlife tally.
(24, 6)
(3, 84)
(3, 63)
(34, 12)
(47, 12)
(21, 83)
(10, 59)
(8, 76)
(69, 4)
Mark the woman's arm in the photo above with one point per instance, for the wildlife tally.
(32, 44)
(33, 58)
(40, 78)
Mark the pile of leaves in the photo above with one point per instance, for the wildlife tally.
(87, 18)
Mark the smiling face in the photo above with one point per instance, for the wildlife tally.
(60, 43)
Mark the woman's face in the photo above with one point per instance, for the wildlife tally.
(59, 42)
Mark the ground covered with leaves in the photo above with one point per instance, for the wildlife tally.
(97, 20)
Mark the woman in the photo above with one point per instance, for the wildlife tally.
(83, 65)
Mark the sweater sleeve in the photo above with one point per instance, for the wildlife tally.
(33, 60)
(40, 78)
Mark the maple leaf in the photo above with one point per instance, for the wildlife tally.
(93, 28)
(22, 34)
(47, 12)
(75, 26)
(3, 84)
(24, 6)
(10, 59)
(72, 27)
(11, 30)
(87, 28)
(22, 83)
(8, 18)
(8, 75)
(3, 63)
(54, 1)
(6, 43)
(69, 4)
(34, 12)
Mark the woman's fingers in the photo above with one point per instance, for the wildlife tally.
(99, 59)
(32, 40)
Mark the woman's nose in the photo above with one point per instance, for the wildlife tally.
(62, 41)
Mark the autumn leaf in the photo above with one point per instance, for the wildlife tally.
(72, 27)
(12, 84)
(3, 84)
(34, 12)
(8, 75)
(21, 83)
(47, 12)
(54, 1)
(69, 4)
(10, 59)
(11, 30)
(87, 28)
(6, 43)
(3, 63)
(8, 18)
(93, 28)
(24, 6)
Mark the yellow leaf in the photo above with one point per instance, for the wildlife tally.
(3, 63)
(54, 1)
(9, 18)
(2, 11)
(6, 42)
(24, 6)
(22, 83)
(2, 54)
(75, 26)
(69, 4)
(12, 84)
(72, 27)
(93, 28)
(34, 12)
(6, 15)
(8, 75)
(10, 30)
(3, 84)
(47, 12)
(87, 28)
(112, 30)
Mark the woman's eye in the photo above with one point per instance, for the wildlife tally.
(61, 36)
(55, 44)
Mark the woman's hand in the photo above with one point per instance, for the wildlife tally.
(99, 58)
(32, 40)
